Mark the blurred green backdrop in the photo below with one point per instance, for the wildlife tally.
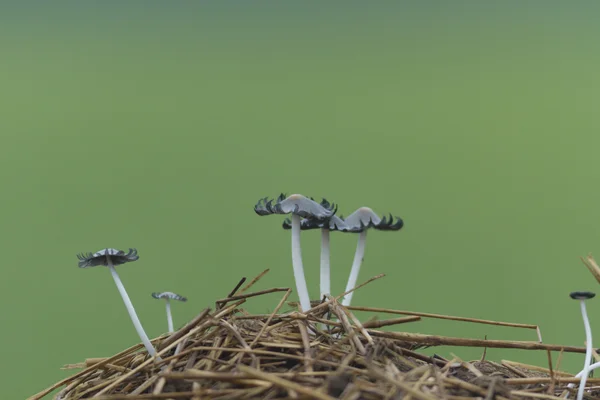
(158, 125)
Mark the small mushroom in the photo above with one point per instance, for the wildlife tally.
(168, 296)
(111, 258)
(300, 207)
(334, 223)
(582, 297)
(359, 222)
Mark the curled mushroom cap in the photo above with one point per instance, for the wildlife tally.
(334, 223)
(117, 257)
(295, 204)
(168, 295)
(582, 295)
(365, 218)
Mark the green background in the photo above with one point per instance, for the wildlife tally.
(158, 125)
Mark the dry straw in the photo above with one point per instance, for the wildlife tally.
(227, 353)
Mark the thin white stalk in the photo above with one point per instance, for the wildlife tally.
(169, 316)
(297, 264)
(134, 318)
(325, 269)
(588, 351)
(358, 257)
(593, 367)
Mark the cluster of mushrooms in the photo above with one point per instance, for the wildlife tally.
(113, 257)
(307, 214)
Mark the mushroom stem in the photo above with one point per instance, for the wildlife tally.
(169, 316)
(588, 351)
(297, 265)
(358, 257)
(325, 269)
(593, 367)
(134, 318)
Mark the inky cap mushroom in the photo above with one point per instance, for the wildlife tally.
(117, 257)
(360, 221)
(299, 206)
(168, 296)
(110, 257)
(365, 218)
(582, 295)
(296, 204)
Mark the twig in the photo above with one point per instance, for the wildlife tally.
(506, 363)
(254, 280)
(253, 294)
(436, 340)
(235, 289)
(447, 317)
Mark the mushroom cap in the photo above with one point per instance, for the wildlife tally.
(334, 223)
(295, 204)
(168, 295)
(117, 257)
(365, 218)
(582, 295)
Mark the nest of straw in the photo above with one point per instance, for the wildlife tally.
(325, 353)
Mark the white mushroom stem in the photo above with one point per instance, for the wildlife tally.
(169, 316)
(325, 269)
(593, 367)
(358, 258)
(297, 264)
(588, 354)
(134, 318)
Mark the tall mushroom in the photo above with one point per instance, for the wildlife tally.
(168, 296)
(334, 223)
(359, 222)
(300, 207)
(111, 258)
(582, 297)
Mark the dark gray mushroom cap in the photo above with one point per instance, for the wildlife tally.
(117, 257)
(365, 218)
(334, 223)
(168, 295)
(295, 204)
(582, 295)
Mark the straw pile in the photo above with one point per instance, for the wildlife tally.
(326, 353)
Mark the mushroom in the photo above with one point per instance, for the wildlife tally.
(300, 207)
(168, 296)
(582, 297)
(334, 223)
(359, 222)
(111, 258)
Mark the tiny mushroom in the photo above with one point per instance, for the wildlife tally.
(300, 207)
(582, 297)
(359, 222)
(111, 258)
(168, 296)
(334, 223)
